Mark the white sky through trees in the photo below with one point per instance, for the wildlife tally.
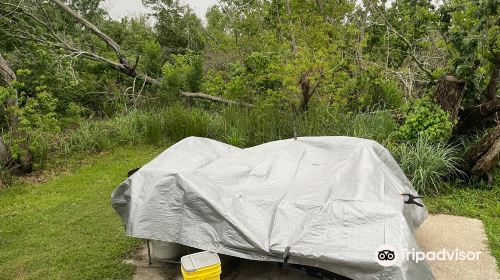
(120, 8)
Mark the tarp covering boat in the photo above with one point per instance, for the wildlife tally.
(332, 201)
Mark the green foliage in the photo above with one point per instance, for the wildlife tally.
(471, 28)
(369, 91)
(32, 117)
(152, 59)
(425, 118)
(426, 163)
(179, 29)
(256, 78)
(311, 67)
(183, 74)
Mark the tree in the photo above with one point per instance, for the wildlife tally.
(23, 17)
(178, 28)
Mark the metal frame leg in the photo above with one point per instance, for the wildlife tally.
(149, 252)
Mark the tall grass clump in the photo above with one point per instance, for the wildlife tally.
(180, 122)
(323, 120)
(427, 163)
(150, 127)
(378, 126)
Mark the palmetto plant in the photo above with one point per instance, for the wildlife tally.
(427, 162)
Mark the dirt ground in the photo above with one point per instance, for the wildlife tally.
(437, 233)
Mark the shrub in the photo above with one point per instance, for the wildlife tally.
(33, 119)
(381, 93)
(426, 163)
(426, 119)
(152, 56)
(185, 73)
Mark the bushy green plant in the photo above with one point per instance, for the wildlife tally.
(185, 73)
(381, 92)
(152, 58)
(424, 118)
(426, 163)
(32, 116)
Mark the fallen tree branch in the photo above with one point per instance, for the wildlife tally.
(218, 99)
(51, 38)
(482, 157)
(124, 65)
(103, 36)
(476, 118)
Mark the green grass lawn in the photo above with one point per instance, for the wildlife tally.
(66, 229)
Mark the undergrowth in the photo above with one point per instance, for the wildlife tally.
(425, 162)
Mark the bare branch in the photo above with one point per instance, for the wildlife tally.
(110, 42)
(204, 96)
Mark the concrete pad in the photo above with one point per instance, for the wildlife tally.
(465, 234)
(437, 233)
(232, 269)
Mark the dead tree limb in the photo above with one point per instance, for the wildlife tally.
(484, 156)
(290, 23)
(479, 117)
(199, 95)
(124, 65)
(103, 36)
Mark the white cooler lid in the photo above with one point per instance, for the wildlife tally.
(199, 260)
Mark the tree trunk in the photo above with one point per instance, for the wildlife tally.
(307, 91)
(305, 88)
(361, 39)
(449, 93)
(290, 23)
(8, 76)
(4, 153)
(484, 156)
(6, 72)
(491, 89)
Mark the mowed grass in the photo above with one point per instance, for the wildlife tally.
(66, 228)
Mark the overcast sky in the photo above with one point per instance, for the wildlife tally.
(120, 8)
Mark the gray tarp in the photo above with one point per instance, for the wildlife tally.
(332, 200)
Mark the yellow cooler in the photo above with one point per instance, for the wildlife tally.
(201, 266)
